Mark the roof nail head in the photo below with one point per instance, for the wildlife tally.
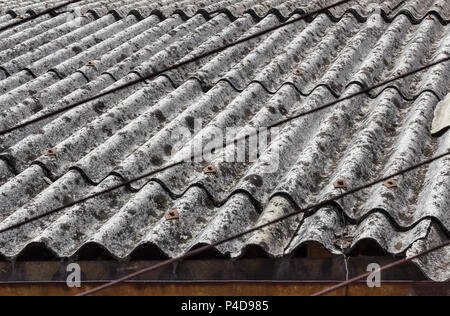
(210, 169)
(50, 152)
(391, 183)
(172, 215)
(340, 184)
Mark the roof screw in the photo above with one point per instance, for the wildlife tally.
(50, 152)
(340, 184)
(210, 169)
(172, 215)
(90, 64)
(391, 183)
(298, 73)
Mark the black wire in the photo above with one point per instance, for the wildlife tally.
(175, 66)
(237, 140)
(298, 211)
(30, 18)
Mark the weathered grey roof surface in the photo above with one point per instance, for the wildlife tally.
(51, 62)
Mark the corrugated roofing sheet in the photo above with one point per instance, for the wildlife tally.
(51, 62)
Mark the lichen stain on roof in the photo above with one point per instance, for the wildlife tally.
(54, 61)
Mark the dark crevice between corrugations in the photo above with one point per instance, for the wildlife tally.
(138, 74)
(400, 4)
(150, 252)
(36, 251)
(254, 251)
(433, 219)
(147, 251)
(173, 195)
(13, 14)
(88, 180)
(371, 243)
(98, 16)
(441, 133)
(52, 12)
(227, 12)
(258, 205)
(6, 72)
(370, 247)
(335, 94)
(207, 17)
(360, 18)
(57, 74)
(400, 92)
(62, 12)
(258, 18)
(84, 75)
(9, 164)
(429, 13)
(158, 13)
(46, 171)
(259, 208)
(148, 80)
(115, 14)
(140, 17)
(301, 251)
(174, 85)
(388, 19)
(31, 73)
(356, 222)
(31, 12)
(111, 75)
(91, 251)
(210, 254)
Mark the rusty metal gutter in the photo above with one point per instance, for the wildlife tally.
(230, 289)
(220, 277)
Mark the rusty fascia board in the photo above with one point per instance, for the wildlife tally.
(232, 289)
(220, 270)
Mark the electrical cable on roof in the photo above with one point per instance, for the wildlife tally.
(193, 157)
(173, 67)
(387, 267)
(299, 211)
(30, 18)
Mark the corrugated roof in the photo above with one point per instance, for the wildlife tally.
(51, 62)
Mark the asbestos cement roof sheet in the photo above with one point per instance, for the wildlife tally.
(56, 60)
